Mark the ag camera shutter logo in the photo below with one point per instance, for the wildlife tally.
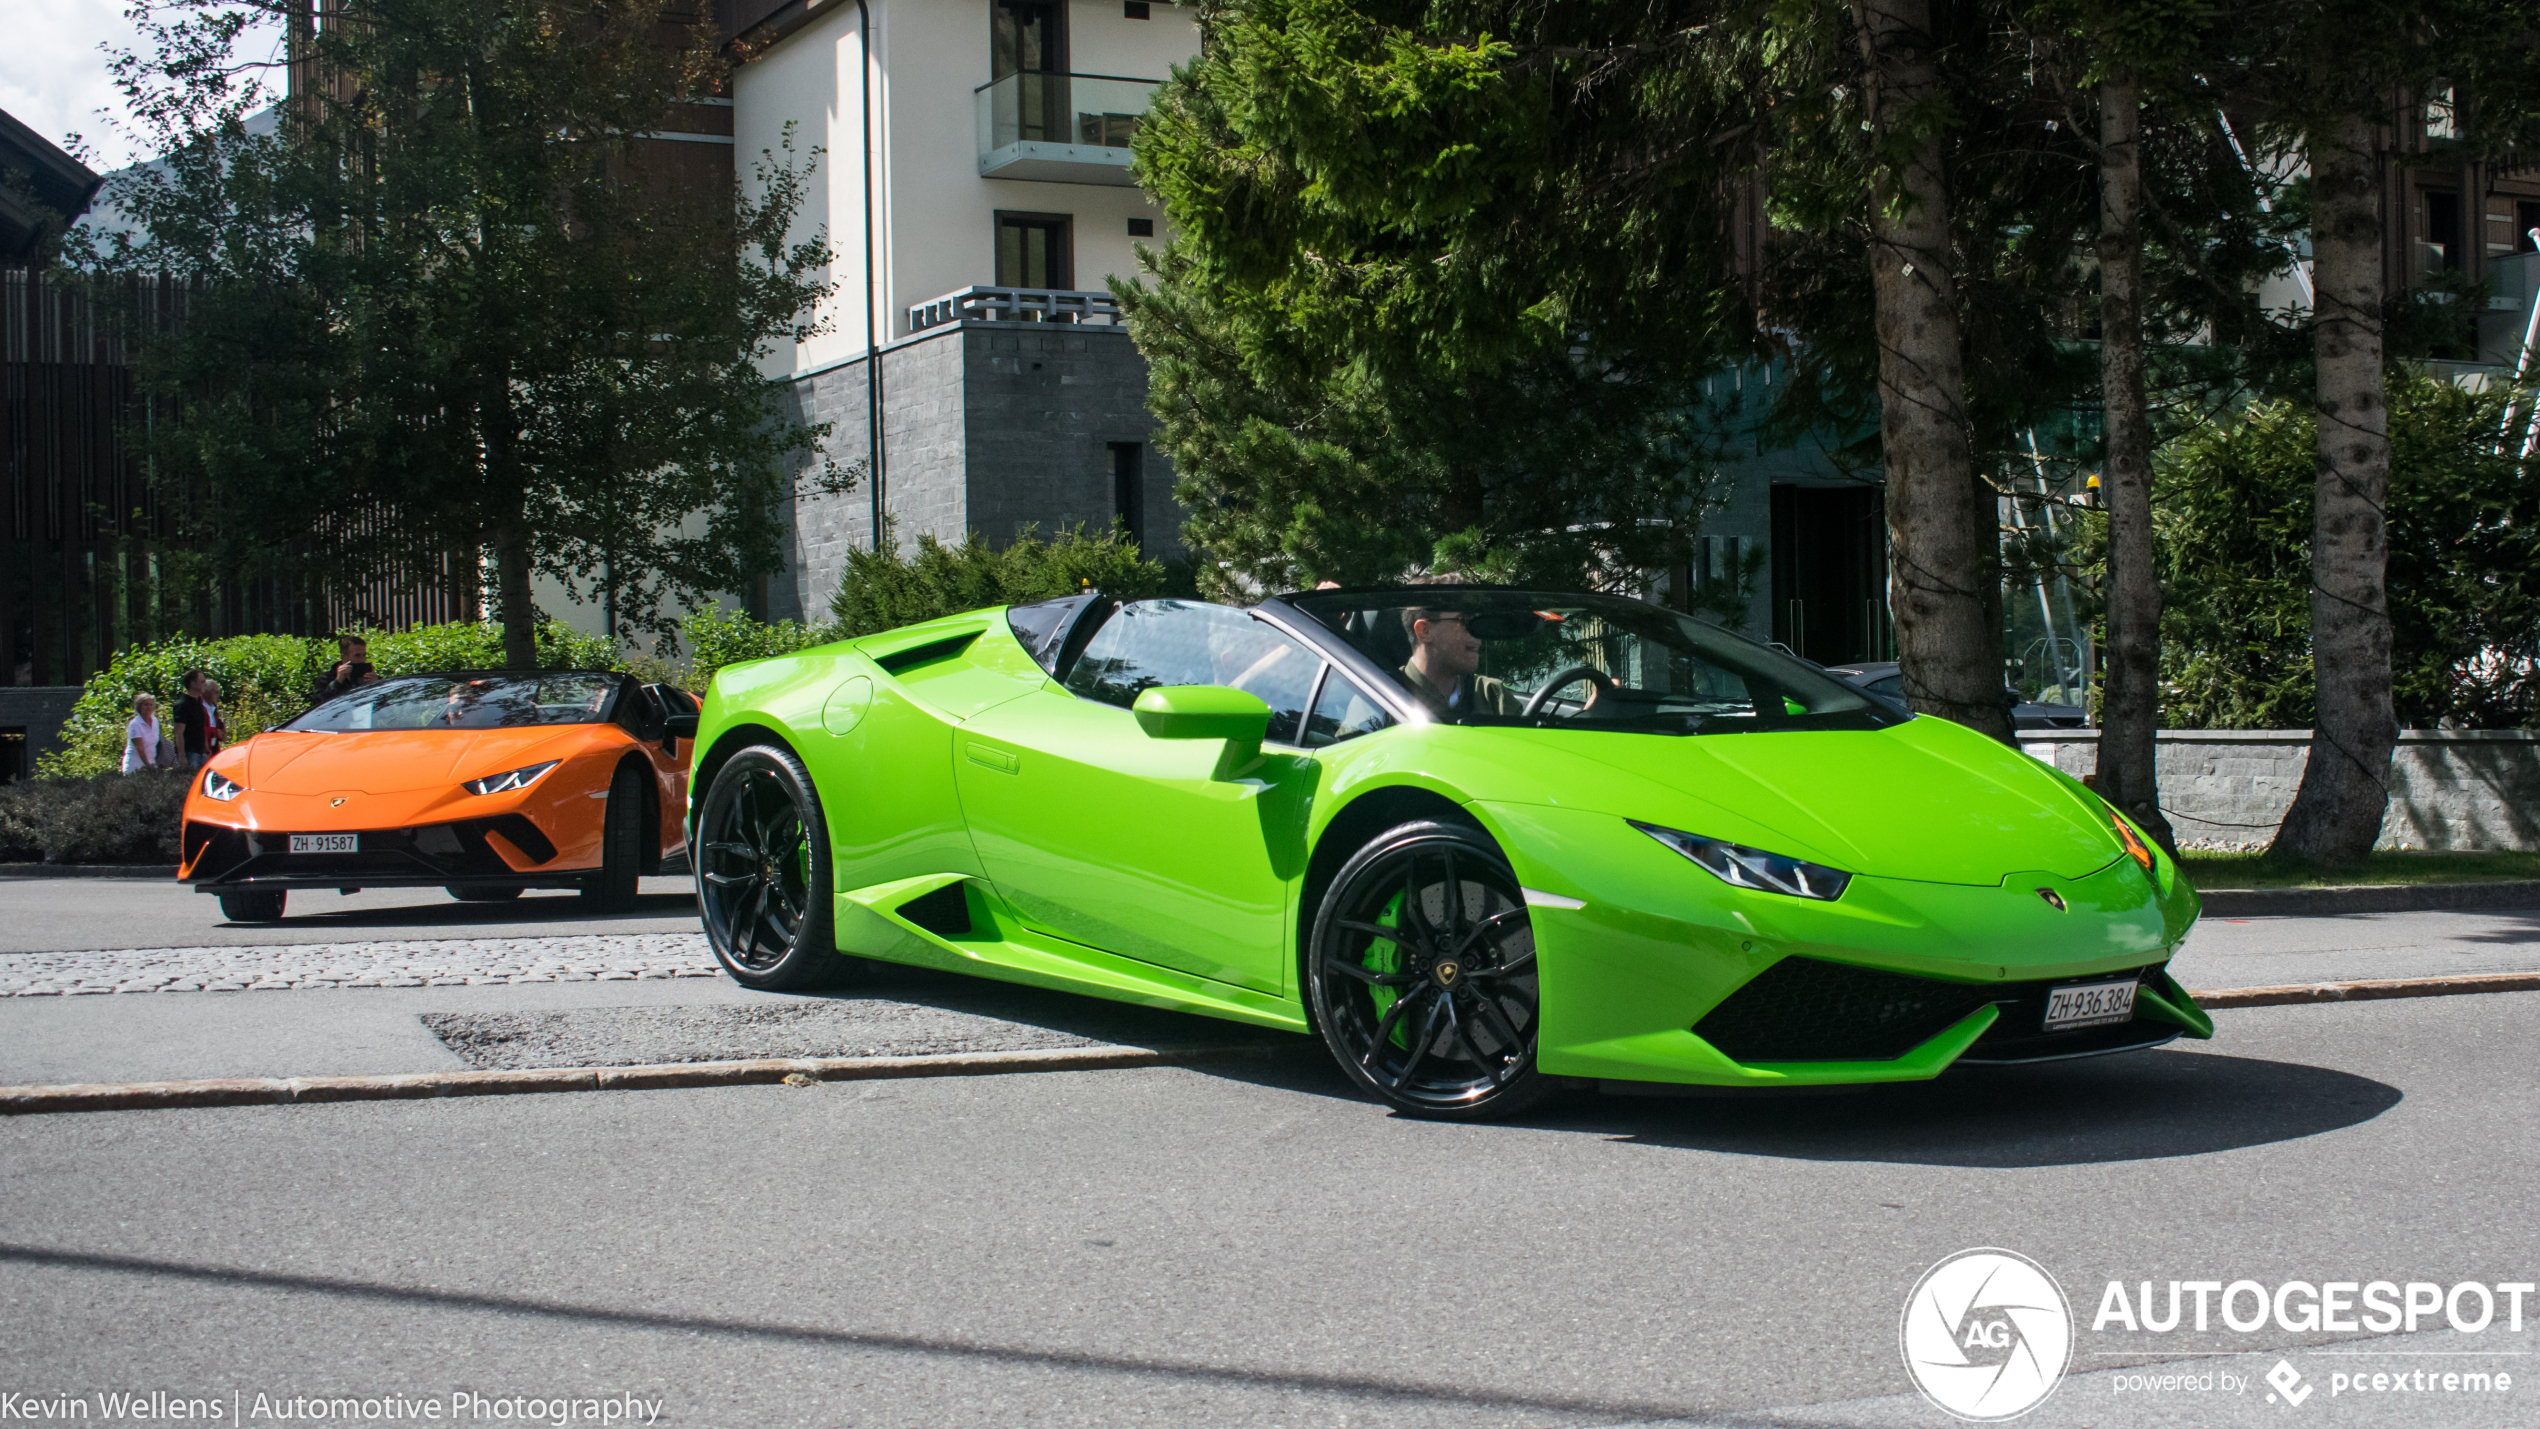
(1987, 1334)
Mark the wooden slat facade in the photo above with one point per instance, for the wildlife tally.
(86, 541)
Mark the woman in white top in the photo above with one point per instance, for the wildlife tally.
(141, 736)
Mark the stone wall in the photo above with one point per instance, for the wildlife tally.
(990, 427)
(40, 711)
(2229, 788)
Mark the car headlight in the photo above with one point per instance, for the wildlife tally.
(509, 780)
(1743, 867)
(217, 785)
(2135, 847)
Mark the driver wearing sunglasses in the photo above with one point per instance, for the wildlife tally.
(1445, 656)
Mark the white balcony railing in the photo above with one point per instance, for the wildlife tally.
(1060, 128)
(1016, 305)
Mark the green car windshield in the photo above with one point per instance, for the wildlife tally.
(1479, 656)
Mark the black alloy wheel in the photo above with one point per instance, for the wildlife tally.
(1422, 972)
(254, 905)
(763, 879)
(612, 888)
(483, 892)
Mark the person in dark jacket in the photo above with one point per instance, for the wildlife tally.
(193, 722)
(352, 669)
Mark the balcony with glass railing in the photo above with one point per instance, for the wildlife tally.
(1061, 128)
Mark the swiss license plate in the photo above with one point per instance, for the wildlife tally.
(2090, 1005)
(326, 843)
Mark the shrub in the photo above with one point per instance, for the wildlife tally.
(718, 637)
(266, 679)
(113, 818)
(884, 591)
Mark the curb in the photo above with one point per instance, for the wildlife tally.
(87, 870)
(2367, 991)
(415, 1086)
(2368, 898)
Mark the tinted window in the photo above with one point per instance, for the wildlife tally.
(1479, 655)
(469, 702)
(1042, 628)
(1180, 642)
(1344, 712)
(1892, 686)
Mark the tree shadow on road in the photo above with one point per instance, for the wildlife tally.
(2136, 1107)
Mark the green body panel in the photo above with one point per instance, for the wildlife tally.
(1100, 834)
(1102, 859)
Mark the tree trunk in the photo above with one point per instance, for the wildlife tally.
(2130, 707)
(2336, 815)
(1939, 520)
(515, 608)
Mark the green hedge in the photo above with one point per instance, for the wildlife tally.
(266, 679)
(884, 590)
(116, 818)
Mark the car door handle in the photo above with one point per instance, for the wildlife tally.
(988, 756)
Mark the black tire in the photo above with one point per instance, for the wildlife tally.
(612, 889)
(482, 893)
(762, 870)
(1442, 1022)
(254, 905)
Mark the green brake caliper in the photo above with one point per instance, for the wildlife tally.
(1385, 957)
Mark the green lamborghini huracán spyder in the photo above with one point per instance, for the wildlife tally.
(1480, 840)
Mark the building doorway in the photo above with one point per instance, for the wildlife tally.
(1830, 573)
(1032, 250)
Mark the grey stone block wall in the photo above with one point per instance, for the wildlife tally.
(990, 427)
(40, 711)
(2227, 788)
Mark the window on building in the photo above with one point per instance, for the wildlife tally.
(1032, 251)
(1027, 54)
(1129, 490)
(1027, 37)
(1142, 228)
(1133, 9)
(2442, 231)
(2526, 218)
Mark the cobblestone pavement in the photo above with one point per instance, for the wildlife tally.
(448, 963)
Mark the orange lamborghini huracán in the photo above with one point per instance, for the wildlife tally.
(483, 783)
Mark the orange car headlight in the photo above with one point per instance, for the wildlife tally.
(217, 785)
(509, 780)
(2135, 847)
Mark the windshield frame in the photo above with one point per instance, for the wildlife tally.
(606, 714)
(1296, 612)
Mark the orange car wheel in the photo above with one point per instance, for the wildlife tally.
(612, 889)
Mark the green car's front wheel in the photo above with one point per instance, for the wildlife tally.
(763, 873)
(1422, 971)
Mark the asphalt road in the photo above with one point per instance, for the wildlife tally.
(1250, 1245)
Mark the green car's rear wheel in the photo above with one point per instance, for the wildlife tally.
(1422, 971)
(763, 880)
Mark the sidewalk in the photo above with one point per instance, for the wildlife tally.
(426, 990)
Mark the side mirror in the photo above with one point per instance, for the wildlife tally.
(1201, 712)
(1207, 712)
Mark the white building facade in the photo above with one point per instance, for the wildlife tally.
(974, 190)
